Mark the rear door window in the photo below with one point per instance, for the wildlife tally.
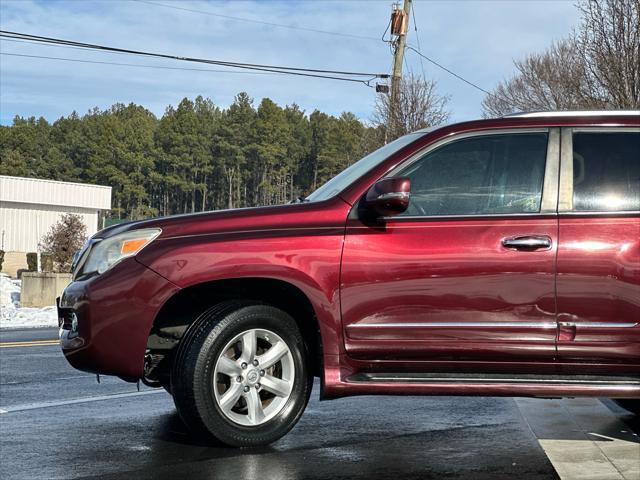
(606, 171)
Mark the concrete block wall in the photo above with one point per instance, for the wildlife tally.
(41, 289)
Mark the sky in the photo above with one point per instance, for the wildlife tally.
(477, 39)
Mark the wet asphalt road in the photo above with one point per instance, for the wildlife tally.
(139, 435)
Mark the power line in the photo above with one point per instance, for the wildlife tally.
(180, 68)
(91, 46)
(271, 24)
(133, 64)
(423, 56)
(306, 72)
(56, 45)
(499, 97)
(31, 42)
(415, 29)
(449, 71)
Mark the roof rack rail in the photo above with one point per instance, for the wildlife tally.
(574, 113)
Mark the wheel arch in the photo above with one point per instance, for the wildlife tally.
(178, 314)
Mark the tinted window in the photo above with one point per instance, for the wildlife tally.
(606, 171)
(493, 174)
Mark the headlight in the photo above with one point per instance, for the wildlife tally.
(106, 253)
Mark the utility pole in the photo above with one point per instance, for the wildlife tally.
(399, 26)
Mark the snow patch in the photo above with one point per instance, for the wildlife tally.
(9, 291)
(12, 315)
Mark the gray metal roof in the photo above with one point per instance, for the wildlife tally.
(51, 192)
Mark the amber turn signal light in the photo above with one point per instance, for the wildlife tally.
(133, 245)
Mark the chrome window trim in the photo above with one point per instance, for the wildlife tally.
(549, 198)
(604, 129)
(565, 200)
(495, 324)
(600, 213)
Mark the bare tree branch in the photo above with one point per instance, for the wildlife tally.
(597, 67)
(609, 43)
(419, 106)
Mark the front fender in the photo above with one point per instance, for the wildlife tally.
(307, 258)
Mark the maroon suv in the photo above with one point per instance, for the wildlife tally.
(493, 257)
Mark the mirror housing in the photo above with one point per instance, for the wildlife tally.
(388, 197)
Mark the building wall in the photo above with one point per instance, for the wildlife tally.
(30, 206)
(22, 226)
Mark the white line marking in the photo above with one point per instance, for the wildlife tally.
(34, 406)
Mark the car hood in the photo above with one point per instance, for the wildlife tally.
(298, 215)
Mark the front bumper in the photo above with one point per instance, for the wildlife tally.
(113, 314)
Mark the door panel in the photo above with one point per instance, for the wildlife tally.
(598, 283)
(442, 282)
(441, 290)
(599, 289)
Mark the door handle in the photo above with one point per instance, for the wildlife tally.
(527, 242)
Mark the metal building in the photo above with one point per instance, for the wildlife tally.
(29, 207)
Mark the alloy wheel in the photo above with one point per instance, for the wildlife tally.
(253, 377)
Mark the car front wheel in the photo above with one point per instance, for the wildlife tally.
(240, 375)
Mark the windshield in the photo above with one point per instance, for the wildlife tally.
(362, 166)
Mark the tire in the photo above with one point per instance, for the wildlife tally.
(237, 400)
(631, 404)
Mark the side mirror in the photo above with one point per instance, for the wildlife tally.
(388, 197)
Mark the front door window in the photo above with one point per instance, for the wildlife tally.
(484, 175)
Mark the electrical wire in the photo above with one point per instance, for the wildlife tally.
(415, 29)
(449, 71)
(306, 72)
(499, 97)
(31, 42)
(163, 67)
(271, 24)
(188, 69)
(385, 32)
(407, 67)
(56, 41)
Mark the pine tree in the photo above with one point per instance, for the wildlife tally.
(195, 157)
